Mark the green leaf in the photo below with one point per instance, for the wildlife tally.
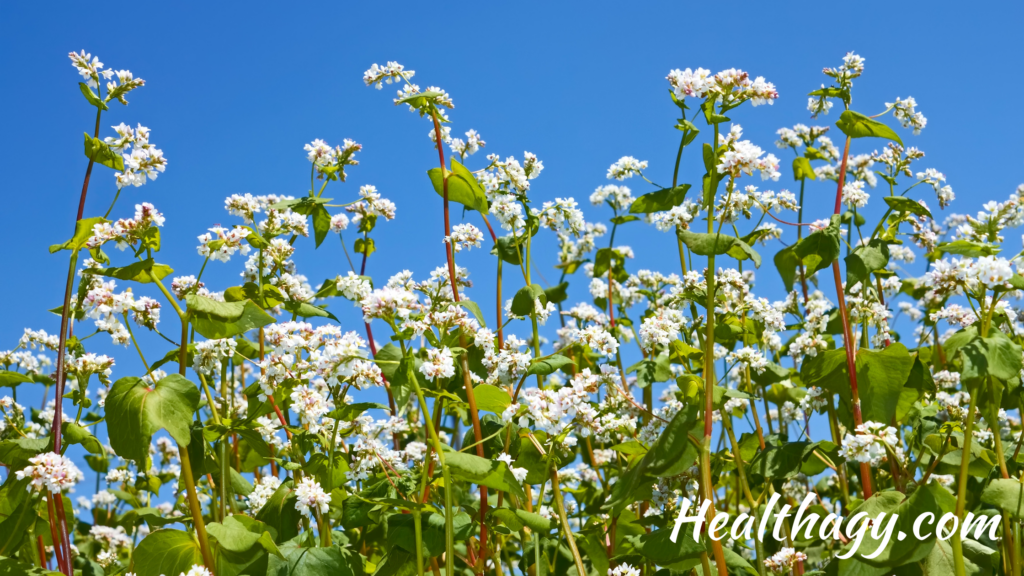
(904, 204)
(1005, 494)
(545, 366)
(680, 352)
(491, 398)
(279, 512)
(307, 310)
(606, 259)
(557, 293)
(474, 309)
(12, 567)
(135, 412)
(91, 96)
(864, 260)
(75, 434)
(507, 517)
(350, 412)
(593, 548)
(396, 368)
(98, 151)
(802, 169)
(364, 246)
(820, 248)
(299, 561)
(967, 248)
(484, 472)
(708, 107)
(304, 205)
(321, 223)
(933, 499)
(420, 100)
(509, 251)
(12, 379)
(651, 370)
(658, 547)
(659, 201)
(215, 319)
(83, 232)
(166, 552)
(145, 271)
(624, 218)
(995, 356)
(535, 521)
(463, 187)
(15, 454)
(152, 516)
(523, 301)
(784, 460)
(670, 455)
(14, 528)
(857, 125)
(881, 375)
(708, 244)
(238, 533)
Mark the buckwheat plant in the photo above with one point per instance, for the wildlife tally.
(526, 433)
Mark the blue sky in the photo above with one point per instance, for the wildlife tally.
(234, 92)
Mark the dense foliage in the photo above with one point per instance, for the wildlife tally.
(249, 444)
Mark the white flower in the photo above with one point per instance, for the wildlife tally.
(624, 570)
(221, 244)
(854, 194)
(211, 354)
(661, 328)
(750, 358)
(784, 560)
(311, 497)
(464, 236)
(354, 287)
(626, 167)
(339, 222)
(618, 196)
(376, 76)
(597, 338)
(904, 111)
(871, 443)
(439, 364)
(197, 570)
(51, 471)
(89, 67)
(743, 157)
(519, 473)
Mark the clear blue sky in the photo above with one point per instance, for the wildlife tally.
(234, 92)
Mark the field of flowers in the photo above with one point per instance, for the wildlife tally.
(249, 443)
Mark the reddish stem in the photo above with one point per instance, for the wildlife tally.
(58, 552)
(42, 554)
(61, 349)
(387, 385)
(851, 361)
(470, 396)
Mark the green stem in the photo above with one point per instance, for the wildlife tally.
(961, 492)
(195, 508)
(709, 372)
(560, 506)
(449, 532)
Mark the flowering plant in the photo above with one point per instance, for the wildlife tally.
(505, 453)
